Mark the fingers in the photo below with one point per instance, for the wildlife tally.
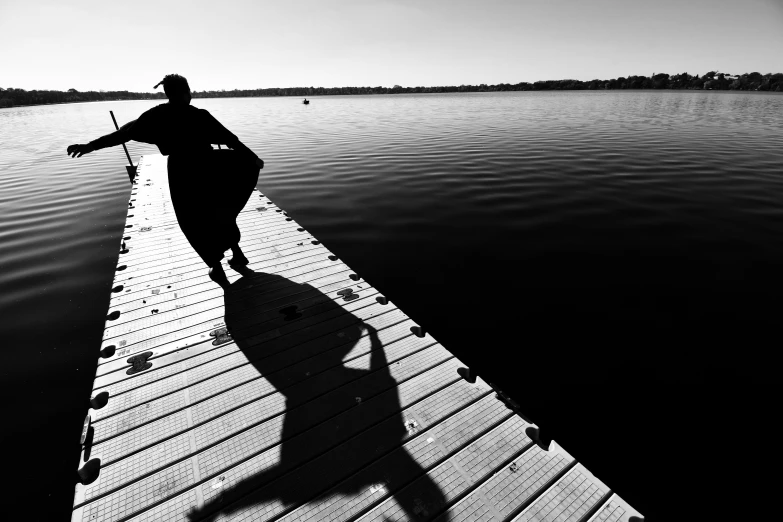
(77, 151)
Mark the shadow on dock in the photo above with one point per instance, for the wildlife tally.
(316, 455)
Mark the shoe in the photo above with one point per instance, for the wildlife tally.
(217, 274)
(236, 262)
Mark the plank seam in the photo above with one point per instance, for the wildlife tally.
(541, 491)
(597, 506)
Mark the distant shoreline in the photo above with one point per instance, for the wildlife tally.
(320, 95)
(713, 81)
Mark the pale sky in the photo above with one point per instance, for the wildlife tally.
(247, 44)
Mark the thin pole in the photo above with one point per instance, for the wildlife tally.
(131, 169)
(123, 145)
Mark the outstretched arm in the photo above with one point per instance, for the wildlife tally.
(117, 137)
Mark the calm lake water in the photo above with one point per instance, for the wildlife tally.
(610, 259)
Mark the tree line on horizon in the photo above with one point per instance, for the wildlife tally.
(713, 80)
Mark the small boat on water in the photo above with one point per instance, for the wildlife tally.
(306, 101)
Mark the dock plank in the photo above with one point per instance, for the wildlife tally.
(570, 499)
(616, 510)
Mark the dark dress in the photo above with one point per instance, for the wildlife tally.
(208, 187)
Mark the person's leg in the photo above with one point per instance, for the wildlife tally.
(240, 186)
(202, 229)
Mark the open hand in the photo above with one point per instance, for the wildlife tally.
(77, 151)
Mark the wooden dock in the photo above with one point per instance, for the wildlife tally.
(298, 394)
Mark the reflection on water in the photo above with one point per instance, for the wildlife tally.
(622, 235)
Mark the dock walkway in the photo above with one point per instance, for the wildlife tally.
(298, 394)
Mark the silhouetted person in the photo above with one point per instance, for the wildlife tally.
(208, 187)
